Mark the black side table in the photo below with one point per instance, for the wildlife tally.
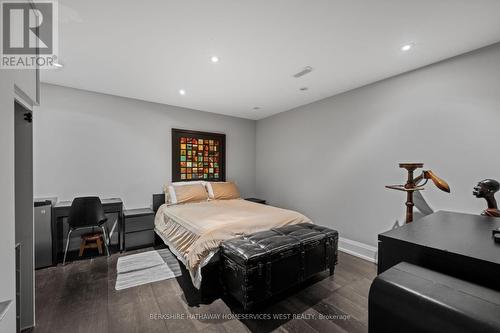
(138, 228)
(256, 200)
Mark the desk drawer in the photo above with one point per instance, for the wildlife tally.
(139, 239)
(139, 223)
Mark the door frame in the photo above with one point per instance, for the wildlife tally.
(26, 102)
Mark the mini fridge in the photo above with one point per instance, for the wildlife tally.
(43, 233)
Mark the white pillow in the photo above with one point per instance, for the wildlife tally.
(171, 198)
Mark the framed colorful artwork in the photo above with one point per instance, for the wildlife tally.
(198, 156)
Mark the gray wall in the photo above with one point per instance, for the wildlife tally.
(88, 143)
(331, 159)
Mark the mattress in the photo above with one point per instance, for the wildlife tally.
(194, 231)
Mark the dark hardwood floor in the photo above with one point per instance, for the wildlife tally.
(81, 297)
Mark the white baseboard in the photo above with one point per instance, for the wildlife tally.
(357, 249)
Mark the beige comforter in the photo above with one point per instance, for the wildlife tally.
(194, 231)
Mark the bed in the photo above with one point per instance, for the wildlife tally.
(194, 231)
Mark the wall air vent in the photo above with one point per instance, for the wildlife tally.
(303, 72)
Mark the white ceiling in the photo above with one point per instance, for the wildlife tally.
(150, 49)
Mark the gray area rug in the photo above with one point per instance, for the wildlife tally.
(142, 268)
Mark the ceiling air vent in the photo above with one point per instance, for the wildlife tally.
(303, 72)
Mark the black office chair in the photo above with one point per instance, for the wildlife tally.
(86, 213)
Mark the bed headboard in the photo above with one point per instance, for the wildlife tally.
(158, 200)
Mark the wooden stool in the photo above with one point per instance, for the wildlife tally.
(91, 241)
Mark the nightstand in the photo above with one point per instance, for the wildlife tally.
(256, 200)
(138, 228)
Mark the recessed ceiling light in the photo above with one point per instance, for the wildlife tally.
(304, 88)
(407, 47)
(214, 59)
(182, 92)
(58, 65)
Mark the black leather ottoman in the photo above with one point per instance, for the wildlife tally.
(259, 266)
(409, 298)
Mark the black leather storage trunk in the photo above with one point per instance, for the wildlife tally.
(259, 266)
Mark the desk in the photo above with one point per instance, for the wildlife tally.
(455, 244)
(61, 211)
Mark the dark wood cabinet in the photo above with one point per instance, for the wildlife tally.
(455, 244)
(138, 228)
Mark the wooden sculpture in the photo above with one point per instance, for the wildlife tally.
(417, 184)
(486, 189)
